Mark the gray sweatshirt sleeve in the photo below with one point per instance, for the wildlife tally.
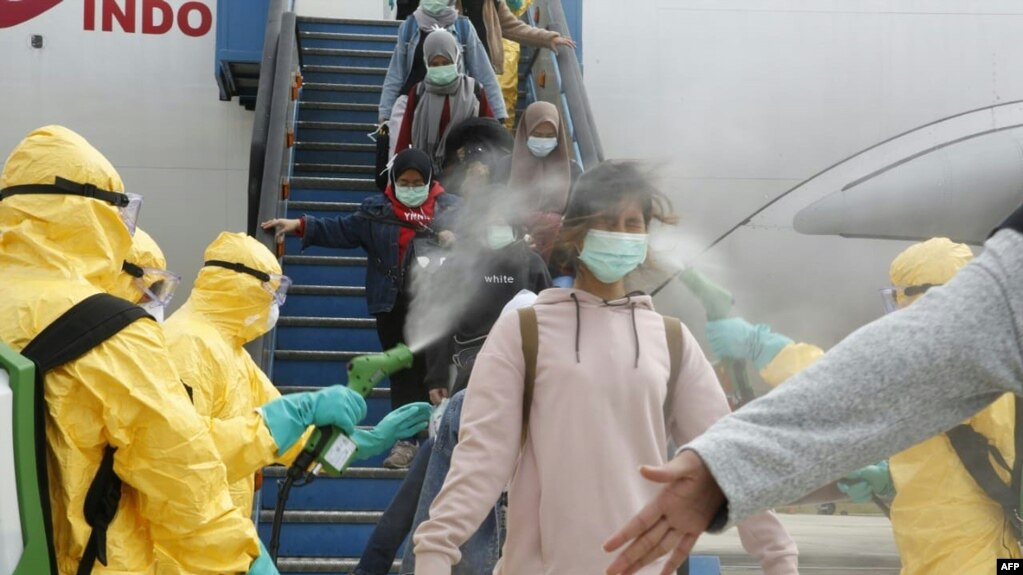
(888, 386)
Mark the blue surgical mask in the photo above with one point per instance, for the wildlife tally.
(442, 75)
(412, 196)
(541, 147)
(610, 256)
(499, 236)
(434, 7)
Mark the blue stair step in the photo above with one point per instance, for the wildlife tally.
(326, 333)
(325, 270)
(347, 93)
(359, 489)
(347, 40)
(318, 368)
(339, 57)
(339, 112)
(326, 153)
(354, 172)
(321, 533)
(340, 132)
(293, 245)
(321, 209)
(320, 565)
(332, 301)
(345, 75)
(351, 26)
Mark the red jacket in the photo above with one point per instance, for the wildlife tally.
(405, 134)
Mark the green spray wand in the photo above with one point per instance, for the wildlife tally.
(717, 302)
(329, 451)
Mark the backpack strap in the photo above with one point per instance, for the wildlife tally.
(977, 454)
(530, 350)
(80, 329)
(673, 332)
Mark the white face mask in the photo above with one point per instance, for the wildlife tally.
(541, 147)
(154, 309)
(275, 314)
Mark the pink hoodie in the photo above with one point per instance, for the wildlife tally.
(593, 423)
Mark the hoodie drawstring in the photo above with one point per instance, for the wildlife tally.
(578, 326)
(635, 332)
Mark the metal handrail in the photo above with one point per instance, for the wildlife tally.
(264, 102)
(273, 133)
(571, 91)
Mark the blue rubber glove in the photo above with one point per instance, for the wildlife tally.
(263, 565)
(288, 417)
(736, 338)
(861, 485)
(401, 423)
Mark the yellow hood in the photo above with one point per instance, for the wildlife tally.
(935, 261)
(235, 302)
(144, 253)
(66, 235)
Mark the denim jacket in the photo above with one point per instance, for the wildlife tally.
(371, 228)
(477, 65)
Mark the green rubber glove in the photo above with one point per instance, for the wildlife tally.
(514, 5)
(716, 300)
(288, 417)
(736, 338)
(390, 3)
(263, 565)
(861, 485)
(401, 423)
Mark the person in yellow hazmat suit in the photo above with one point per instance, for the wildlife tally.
(509, 78)
(67, 224)
(236, 299)
(943, 520)
(144, 278)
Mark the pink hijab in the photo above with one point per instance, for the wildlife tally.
(546, 181)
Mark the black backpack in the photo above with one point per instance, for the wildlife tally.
(80, 329)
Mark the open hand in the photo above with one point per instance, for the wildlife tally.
(281, 227)
(562, 41)
(673, 521)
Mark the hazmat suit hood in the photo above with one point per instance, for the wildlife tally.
(235, 303)
(67, 236)
(933, 262)
(144, 253)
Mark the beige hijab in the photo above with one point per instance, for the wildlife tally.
(546, 181)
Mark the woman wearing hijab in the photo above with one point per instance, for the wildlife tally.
(408, 67)
(387, 226)
(443, 99)
(542, 173)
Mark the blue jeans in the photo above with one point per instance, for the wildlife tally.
(481, 552)
(390, 532)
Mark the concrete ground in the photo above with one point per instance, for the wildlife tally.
(828, 544)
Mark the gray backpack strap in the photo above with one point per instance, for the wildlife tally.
(530, 349)
(673, 332)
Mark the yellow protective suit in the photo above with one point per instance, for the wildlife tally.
(226, 310)
(509, 80)
(943, 522)
(55, 251)
(144, 253)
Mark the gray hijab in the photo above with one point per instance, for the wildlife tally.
(428, 21)
(460, 94)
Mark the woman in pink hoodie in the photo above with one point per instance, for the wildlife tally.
(602, 406)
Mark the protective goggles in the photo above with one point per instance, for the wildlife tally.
(275, 284)
(891, 297)
(157, 285)
(128, 205)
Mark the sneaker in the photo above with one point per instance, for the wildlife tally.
(401, 455)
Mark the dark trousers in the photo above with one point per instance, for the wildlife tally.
(406, 8)
(407, 386)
